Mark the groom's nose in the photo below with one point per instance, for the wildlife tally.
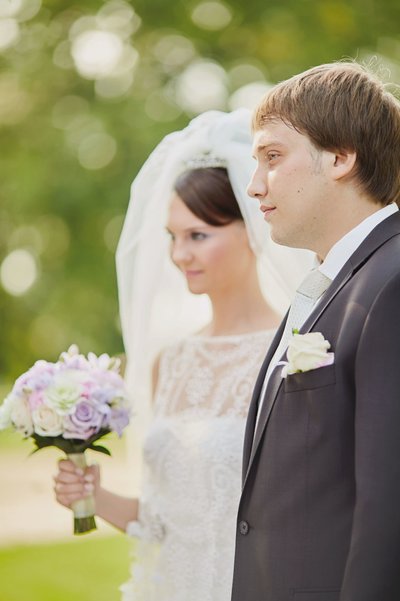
(257, 187)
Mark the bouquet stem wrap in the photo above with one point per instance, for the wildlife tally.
(84, 509)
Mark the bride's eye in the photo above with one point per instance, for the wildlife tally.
(198, 236)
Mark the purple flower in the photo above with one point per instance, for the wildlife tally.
(85, 421)
(118, 420)
(37, 377)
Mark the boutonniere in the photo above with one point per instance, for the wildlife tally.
(306, 352)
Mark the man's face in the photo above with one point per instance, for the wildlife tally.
(292, 185)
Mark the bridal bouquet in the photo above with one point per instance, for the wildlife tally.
(70, 405)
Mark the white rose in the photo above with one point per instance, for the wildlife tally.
(306, 352)
(47, 422)
(20, 416)
(65, 392)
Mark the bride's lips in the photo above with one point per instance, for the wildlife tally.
(267, 211)
(191, 273)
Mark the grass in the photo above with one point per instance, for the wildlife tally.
(81, 570)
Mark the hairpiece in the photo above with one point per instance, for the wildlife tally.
(205, 160)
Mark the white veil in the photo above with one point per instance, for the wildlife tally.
(155, 304)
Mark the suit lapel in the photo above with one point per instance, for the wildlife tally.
(253, 407)
(383, 232)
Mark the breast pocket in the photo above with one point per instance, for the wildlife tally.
(309, 380)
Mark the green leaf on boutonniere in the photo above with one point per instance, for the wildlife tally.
(295, 331)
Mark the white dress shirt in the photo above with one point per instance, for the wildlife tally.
(336, 258)
(341, 252)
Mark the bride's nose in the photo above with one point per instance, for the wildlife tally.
(180, 252)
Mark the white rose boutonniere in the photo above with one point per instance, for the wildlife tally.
(306, 352)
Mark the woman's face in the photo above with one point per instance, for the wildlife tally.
(213, 259)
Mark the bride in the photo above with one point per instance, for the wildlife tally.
(205, 327)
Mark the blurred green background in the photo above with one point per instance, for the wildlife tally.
(87, 89)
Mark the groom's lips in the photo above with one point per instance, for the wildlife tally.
(267, 211)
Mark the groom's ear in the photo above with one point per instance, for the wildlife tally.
(343, 163)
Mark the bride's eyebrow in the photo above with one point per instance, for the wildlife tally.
(197, 228)
(190, 229)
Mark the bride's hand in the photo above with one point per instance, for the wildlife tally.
(72, 483)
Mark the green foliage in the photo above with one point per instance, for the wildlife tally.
(71, 445)
(86, 569)
(66, 211)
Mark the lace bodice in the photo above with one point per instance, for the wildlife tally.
(193, 454)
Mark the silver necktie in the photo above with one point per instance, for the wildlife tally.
(312, 287)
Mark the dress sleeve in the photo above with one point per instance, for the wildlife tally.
(149, 526)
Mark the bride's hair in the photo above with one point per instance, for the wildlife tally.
(208, 194)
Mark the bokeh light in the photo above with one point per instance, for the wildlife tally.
(18, 272)
(202, 86)
(119, 16)
(28, 9)
(101, 48)
(97, 151)
(96, 53)
(249, 95)
(212, 15)
(10, 8)
(114, 87)
(243, 73)
(28, 237)
(174, 50)
(9, 33)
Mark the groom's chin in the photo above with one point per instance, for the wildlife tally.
(282, 239)
(285, 239)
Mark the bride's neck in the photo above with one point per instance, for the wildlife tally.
(241, 311)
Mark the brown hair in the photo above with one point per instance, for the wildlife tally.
(342, 106)
(208, 194)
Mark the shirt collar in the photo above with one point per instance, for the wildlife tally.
(341, 252)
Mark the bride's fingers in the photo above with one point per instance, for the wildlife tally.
(68, 500)
(67, 466)
(73, 485)
(67, 494)
(69, 487)
(68, 477)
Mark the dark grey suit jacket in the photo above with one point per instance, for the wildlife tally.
(319, 515)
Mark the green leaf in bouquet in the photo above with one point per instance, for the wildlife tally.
(70, 445)
(100, 449)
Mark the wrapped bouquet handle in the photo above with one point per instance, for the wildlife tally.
(84, 510)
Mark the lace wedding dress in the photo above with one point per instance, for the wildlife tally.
(185, 534)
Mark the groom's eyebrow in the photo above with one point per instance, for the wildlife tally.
(261, 147)
(258, 149)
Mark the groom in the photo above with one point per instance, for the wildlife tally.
(319, 515)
